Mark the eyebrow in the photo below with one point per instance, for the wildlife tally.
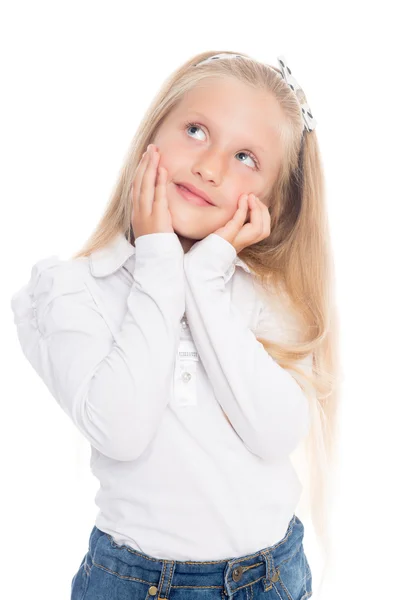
(195, 112)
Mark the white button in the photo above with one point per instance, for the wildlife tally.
(186, 376)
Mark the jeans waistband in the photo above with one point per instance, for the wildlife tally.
(231, 574)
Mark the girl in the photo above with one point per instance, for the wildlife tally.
(191, 341)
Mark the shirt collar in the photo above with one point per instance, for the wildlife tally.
(112, 257)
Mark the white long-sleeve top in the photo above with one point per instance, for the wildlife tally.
(153, 355)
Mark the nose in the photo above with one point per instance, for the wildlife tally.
(210, 166)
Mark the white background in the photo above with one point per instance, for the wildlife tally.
(76, 79)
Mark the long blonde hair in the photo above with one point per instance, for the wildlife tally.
(296, 257)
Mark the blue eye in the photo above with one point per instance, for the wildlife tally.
(248, 153)
(191, 126)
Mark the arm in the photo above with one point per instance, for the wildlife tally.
(264, 403)
(114, 389)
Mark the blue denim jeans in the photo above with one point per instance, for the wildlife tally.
(112, 572)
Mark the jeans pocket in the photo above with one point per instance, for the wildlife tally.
(292, 579)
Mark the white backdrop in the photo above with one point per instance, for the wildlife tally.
(76, 80)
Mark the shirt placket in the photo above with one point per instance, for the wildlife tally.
(185, 377)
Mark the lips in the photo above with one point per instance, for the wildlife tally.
(194, 190)
(192, 198)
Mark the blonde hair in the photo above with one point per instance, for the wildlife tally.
(296, 258)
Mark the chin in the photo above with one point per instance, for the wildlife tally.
(190, 228)
(189, 233)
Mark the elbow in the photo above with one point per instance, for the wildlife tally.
(119, 453)
(119, 437)
(279, 440)
(125, 444)
(120, 449)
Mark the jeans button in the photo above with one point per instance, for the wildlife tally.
(237, 573)
(275, 576)
(153, 590)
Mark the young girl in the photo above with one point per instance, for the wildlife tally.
(191, 342)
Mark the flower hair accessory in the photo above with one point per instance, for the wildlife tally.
(286, 74)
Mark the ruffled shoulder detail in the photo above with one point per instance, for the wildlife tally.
(50, 277)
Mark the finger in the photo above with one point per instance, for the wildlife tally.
(160, 194)
(251, 229)
(137, 183)
(256, 219)
(241, 210)
(265, 217)
(146, 197)
(236, 223)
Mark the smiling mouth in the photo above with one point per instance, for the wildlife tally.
(190, 197)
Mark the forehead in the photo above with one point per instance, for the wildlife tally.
(232, 107)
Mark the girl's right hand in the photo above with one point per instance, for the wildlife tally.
(150, 211)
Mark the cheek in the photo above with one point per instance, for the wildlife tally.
(233, 194)
(170, 159)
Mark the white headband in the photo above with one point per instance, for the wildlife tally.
(286, 73)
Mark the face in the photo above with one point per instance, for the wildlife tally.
(222, 138)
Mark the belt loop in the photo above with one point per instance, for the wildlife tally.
(272, 574)
(165, 582)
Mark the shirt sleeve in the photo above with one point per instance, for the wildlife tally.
(264, 403)
(113, 387)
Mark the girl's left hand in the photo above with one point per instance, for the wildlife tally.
(241, 235)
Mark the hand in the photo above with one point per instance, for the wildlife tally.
(241, 234)
(150, 212)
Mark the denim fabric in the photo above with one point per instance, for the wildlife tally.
(109, 571)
